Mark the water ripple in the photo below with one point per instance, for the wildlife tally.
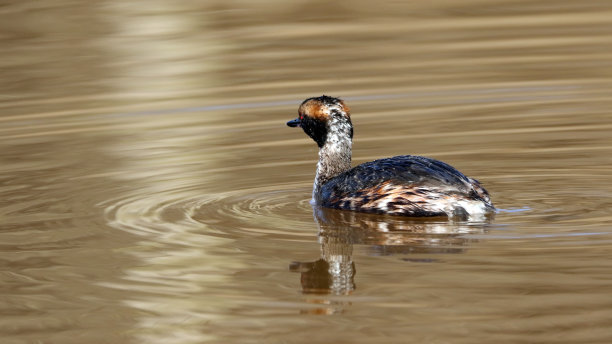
(256, 211)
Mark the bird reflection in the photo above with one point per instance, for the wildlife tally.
(334, 272)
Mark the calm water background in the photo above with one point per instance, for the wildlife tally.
(151, 192)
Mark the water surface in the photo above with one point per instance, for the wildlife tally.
(151, 192)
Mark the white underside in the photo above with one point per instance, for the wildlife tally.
(475, 209)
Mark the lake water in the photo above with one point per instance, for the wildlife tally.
(152, 193)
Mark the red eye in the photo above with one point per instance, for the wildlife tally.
(301, 116)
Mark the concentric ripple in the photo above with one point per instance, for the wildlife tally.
(256, 211)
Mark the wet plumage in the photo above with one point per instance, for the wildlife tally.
(403, 185)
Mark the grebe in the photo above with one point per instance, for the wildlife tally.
(402, 185)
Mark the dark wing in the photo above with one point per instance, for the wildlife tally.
(410, 180)
(403, 170)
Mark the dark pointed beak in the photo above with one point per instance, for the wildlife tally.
(294, 123)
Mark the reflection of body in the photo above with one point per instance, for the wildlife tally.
(334, 272)
(402, 185)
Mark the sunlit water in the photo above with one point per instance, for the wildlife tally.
(151, 192)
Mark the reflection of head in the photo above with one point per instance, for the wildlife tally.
(320, 277)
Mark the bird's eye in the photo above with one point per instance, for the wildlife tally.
(301, 117)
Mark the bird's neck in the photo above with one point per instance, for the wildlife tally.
(334, 155)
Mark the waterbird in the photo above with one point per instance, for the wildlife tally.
(407, 185)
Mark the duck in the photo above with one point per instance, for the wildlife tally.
(405, 185)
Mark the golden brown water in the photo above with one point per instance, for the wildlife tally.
(151, 192)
